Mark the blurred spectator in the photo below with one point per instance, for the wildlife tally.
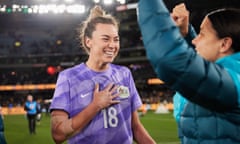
(39, 111)
(31, 109)
(2, 137)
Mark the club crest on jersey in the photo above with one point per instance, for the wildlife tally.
(123, 92)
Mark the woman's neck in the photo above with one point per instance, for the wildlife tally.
(97, 66)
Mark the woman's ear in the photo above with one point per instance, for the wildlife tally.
(88, 42)
(226, 44)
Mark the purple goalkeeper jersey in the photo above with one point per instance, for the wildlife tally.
(112, 125)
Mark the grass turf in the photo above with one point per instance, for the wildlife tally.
(162, 128)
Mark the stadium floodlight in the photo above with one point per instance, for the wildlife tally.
(54, 0)
(35, 8)
(96, 1)
(122, 1)
(42, 9)
(15, 6)
(3, 8)
(69, 1)
(76, 9)
(107, 2)
(30, 10)
(53, 7)
(60, 8)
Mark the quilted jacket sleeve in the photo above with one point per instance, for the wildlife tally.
(176, 62)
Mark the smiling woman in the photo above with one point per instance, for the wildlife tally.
(96, 101)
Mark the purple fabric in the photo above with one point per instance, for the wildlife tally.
(74, 91)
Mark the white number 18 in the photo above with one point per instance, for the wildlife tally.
(110, 117)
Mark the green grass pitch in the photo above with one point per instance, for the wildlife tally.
(162, 127)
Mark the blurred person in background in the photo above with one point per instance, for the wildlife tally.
(207, 75)
(47, 103)
(31, 108)
(96, 102)
(39, 111)
(2, 137)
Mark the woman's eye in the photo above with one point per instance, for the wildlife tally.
(105, 39)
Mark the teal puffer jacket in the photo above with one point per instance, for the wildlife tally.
(2, 137)
(212, 113)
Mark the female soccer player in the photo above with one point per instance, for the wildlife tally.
(96, 102)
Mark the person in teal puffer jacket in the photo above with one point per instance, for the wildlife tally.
(208, 75)
(2, 137)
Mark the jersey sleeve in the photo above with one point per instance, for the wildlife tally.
(135, 99)
(61, 95)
